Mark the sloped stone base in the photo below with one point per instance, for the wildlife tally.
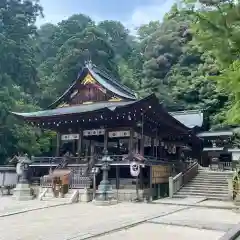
(22, 192)
(104, 202)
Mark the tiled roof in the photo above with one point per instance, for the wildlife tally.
(190, 119)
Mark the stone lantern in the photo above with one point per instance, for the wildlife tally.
(104, 194)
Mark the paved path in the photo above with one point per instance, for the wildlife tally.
(156, 232)
(177, 201)
(122, 221)
(10, 206)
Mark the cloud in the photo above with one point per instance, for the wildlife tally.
(51, 18)
(56, 18)
(152, 12)
(141, 11)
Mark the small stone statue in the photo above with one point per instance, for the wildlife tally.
(23, 190)
(22, 168)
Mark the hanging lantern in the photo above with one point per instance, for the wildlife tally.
(174, 150)
(169, 150)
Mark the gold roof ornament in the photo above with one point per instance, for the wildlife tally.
(115, 99)
(88, 80)
(63, 105)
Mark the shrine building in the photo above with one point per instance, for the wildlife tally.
(97, 113)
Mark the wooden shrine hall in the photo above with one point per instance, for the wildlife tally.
(98, 113)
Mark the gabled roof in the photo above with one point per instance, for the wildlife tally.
(191, 118)
(104, 79)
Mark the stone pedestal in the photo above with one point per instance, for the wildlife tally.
(104, 202)
(85, 195)
(22, 192)
(104, 194)
(237, 200)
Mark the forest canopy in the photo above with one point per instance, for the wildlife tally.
(190, 60)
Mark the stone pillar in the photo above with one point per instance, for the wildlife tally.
(171, 187)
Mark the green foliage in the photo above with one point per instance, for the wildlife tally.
(18, 74)
(216, 33)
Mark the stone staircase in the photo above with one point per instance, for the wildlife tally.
(209, 184)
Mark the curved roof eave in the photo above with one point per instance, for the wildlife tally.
(83, 108)
(76, 109)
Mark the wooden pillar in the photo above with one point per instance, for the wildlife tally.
(141, 177)
(86, 149)
(73, 147)
(130, 145)
(105, 145)
(79, 144)
(156, 148)
(92, 148)
(58, 142)
(142, 146)
(152, 146)
(117, 177)
(150, 184)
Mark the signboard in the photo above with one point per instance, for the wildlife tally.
(119, 134)
(160, 173)
(134, 169)
(67, 137)
(94, 132)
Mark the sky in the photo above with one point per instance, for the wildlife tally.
(131, 13)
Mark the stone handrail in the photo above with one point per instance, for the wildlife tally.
(41, 195)
(191, 172)
(176, 182)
